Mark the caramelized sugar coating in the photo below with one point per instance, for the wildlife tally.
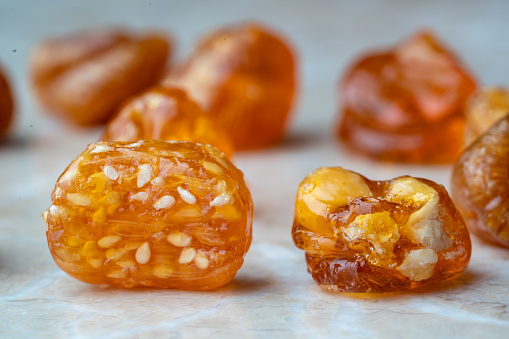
(166, 214)
(406, 104)
(84, 77)
(480, 184)
(245, 77)
(167, 114)
(378, 236)
(6, 106)
(484, 109)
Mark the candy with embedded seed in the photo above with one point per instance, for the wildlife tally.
(148, 214)
(378, 236)
(6, 105)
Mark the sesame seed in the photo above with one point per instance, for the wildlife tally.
(179, 239)
(162, 272)
(164, 202)
(135, 144)
(125, 263)
(110, 172)
(188, 254)
(143, 253)
(157, 181)
(58, 192)
(201, 261)
(99, 148)
(95, 263)
(108, 241)
(212, 168)
(79, 199)
(221, 161)
(186, 196)
(54, 210)
(221, 200)
(119, 274)
(145, 174)
(140, 196)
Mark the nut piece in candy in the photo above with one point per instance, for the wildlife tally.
(378, 236)
(84, 77)
(480, 184)
(484, 109)
(406, 104)
(6, 106)
(165, 233)
(167, 114)
(244, 76)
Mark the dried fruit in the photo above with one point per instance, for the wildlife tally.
(406, 104)
(84, 77)
(483, 110)
(378, 236)
(6, 105)
(480, 184)
(167, 114)
(152, 213)
(244, 77)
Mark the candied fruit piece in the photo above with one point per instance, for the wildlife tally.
(480, 184)
(85, 76)
(150, 213)
(484, 109)
(378, 236)
(244, 77)
(406, 104)
(6, 106)
(167, 114)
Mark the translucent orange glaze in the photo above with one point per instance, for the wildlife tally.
(484, 109)
(480, 184)
(166, 214)
(406, 104)
(245, 77)
(84, 77)
(167, 114)
(6, 106)
(378, 236)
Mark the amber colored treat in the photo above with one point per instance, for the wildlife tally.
(166, 214)
(84, 77)
(480, 184)
(245, 77)
(484, 109)
(167, 114)
(378, 236)
(6, 106)
(406, 104)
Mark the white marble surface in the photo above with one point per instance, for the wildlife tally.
(272, 295)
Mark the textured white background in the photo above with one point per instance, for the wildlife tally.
(272, 295)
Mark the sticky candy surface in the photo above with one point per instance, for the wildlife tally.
(406, 104)
(480, 184)
(484, 109)
(155, 213)
(167, 114)
(84, 77)
(6, 105)
(378, 236)
(245, 77)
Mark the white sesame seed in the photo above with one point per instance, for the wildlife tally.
(108, 241)
(201, 261)
(212, 168)
(99, 148)
(221, 200)
(221, 161)
(110, 172)
(54, 210)
(145, 174)
(140, 196)
(79, 199)
(135, 144)
(162, 272)
(165, 202)
(186, 196)
(143, 253)
(179, 239)
(157, 181)
(125, 263)
(188, 254)
(119, 274)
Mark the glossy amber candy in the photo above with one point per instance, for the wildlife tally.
(406, 104)
(85, 76)
(6, 106)
(480, 184)
(484, 109)
(378, 236)
(167, 114)
(245, 77)
(152, 213)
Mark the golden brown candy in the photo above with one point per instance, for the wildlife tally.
(167, 114)
(480, 184)
(156, 213)
(378, 236)
(6, 106)
(406, 104)
(483, 110)
(245, 77)
(84, 77)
